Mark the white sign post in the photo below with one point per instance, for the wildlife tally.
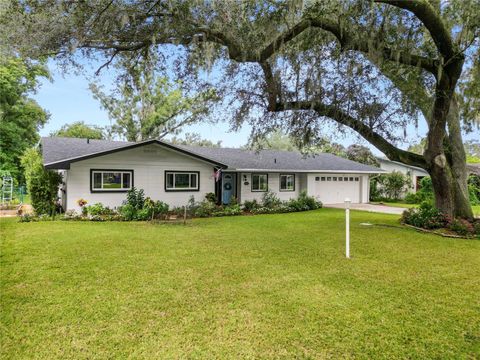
(347, 227)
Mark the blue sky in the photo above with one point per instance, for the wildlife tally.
(68, 99)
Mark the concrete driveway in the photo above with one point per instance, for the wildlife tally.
(369, 207)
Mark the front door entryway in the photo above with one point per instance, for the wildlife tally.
(228, 187)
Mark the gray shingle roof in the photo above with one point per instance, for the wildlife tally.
(59, 152)
(61, 148)
(279, 160)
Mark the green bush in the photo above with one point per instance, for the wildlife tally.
(270, 200)
(135, 198)
(204, 209)
(304, 202)
(230, 210)
(211, 197)
(250, 205)
(474, 189)
(462, 227)
(150, 209)
(128, 212)
(98, 209)
(42, 184)
(426, 216)
(413, 198)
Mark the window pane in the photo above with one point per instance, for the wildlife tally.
(340, 178)
(169, 181)
(345, 179)
(255, 182)
(259, 182)
(182, 181)
(334, 178)
(263, 182)
(356, 179)
(126, 180)
(193, 180)
(329, 178)
(323, 178)
(351, 179)
(112, 180)
(97, 180)
(287, 182)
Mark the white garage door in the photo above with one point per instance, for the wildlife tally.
(334, 189)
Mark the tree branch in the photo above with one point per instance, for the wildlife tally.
(425, 12)
(348, 42)
(332, 112)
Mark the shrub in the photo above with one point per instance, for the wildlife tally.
(426, 216)
(42, 184)
(250, 205)
(28, 218)
(270, 200)
(304, 202)
(128, 212)
(204, 209)
(211, 197)
(413, 198)
(462, 227)
(230, 210)
(98, 209)
(135, 198)
(71, 215)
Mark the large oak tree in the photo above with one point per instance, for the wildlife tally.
(372, 66)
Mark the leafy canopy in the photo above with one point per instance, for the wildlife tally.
(79, 129)
(145, 105)
(20, 116)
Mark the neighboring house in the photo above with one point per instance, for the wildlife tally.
(415, 174)
(103, 171)
(473, 169)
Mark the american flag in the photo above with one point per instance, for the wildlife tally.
(217, 174)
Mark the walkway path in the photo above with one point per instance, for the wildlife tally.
(370, 207)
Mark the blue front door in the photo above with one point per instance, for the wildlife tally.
(228, 187)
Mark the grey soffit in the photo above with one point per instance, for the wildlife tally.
(58, 153)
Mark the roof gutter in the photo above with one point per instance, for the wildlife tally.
(312, 171)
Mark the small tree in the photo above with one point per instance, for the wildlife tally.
(42, 184)
(79, 129)
(389, 186)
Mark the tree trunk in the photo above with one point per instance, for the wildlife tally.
(447, 168)
(458, 163)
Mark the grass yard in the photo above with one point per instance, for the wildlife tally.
(267, 286)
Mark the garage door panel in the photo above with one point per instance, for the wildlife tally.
(331, 191)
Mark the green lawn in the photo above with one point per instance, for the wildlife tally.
(267, 286)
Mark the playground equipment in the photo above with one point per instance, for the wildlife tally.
(7, 189)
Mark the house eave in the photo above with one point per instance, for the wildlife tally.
(379, 171)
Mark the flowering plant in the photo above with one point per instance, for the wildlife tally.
(81, 202)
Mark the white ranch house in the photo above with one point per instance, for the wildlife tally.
(103, 171)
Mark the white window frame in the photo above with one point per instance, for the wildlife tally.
(286, 182)
(190, 173)
(259, 190)
(103, 171)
